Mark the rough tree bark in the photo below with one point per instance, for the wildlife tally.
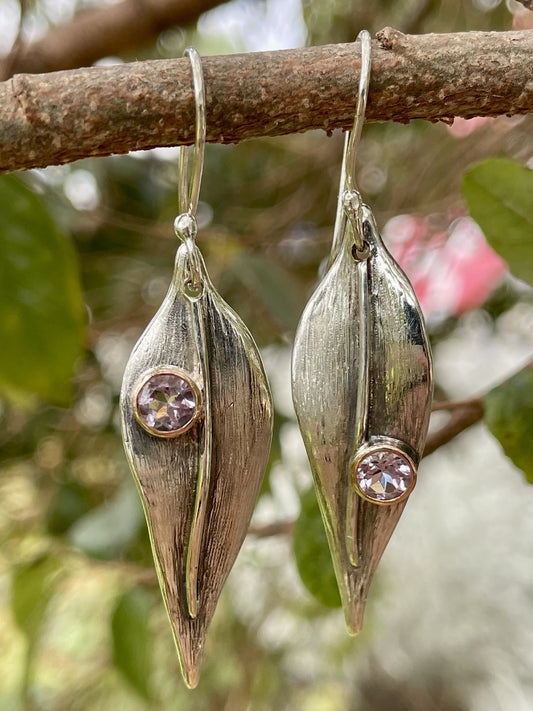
(100, 32)
(60, 117)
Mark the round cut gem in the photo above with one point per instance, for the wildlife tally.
(166, 403)
(384, 475)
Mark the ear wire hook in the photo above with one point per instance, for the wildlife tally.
(185, 225)
(188, 198)
(354, 136)
(349, 197)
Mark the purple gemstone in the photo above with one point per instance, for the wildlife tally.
(166, 403)
(384, 475)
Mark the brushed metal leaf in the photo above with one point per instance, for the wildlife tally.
(361, 373)
(199, 488)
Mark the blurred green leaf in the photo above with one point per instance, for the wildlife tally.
(69, 503)
(33, 587)
(498, 194)
(312, 553)
(132, 648)
(110, 529)
(272, 285)
(41, 307)
(509, 416)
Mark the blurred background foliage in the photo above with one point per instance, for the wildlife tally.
(87, 252)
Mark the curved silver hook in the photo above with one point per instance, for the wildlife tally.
(351, 142)
(354, 136)
(188, 194)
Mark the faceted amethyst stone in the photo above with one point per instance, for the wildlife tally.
(166, 403)
(384, 475)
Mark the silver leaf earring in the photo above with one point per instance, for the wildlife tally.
(361, 379)
(196, 415)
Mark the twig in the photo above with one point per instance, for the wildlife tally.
(60, 117)
(277, 528)
(101, 32)
(450, 405)
(463, 415)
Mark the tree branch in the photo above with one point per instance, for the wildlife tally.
(276, 528)
(60, 117)
(463, 415)
(100, 32)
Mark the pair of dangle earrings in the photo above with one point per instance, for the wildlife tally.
(196, 408)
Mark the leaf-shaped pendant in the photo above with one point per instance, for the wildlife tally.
(362, 393)
(197, 425)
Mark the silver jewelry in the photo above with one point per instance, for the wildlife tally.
(196, 415)
(361, 379)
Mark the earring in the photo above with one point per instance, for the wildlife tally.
(361, 380)
(196, 415)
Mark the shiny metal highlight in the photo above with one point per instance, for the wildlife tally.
(205, 445)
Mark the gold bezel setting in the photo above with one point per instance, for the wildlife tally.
(167, 370)
(383, 446)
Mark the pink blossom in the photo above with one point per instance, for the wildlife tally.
(464, 127)
(452, 271)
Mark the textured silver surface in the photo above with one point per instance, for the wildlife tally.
(199, 488)
(361, 374)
